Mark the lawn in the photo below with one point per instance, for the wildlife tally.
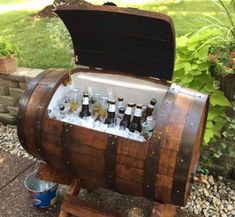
(33, 36)
(2, 2)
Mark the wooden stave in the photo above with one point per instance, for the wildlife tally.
(101, 182)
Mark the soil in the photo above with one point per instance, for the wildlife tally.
(48, 12)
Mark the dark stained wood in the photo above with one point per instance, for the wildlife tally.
(73, 191)
(120, 39)
(192, 129)
(152, 159)
(85, 151)
(22, 108)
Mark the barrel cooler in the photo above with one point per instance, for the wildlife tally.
(132, 52)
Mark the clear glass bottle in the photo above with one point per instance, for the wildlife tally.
(74, 101)
(121, 112)
(103, 108)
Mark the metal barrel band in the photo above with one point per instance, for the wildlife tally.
(65, 144)
(110, 161)
(152, 159)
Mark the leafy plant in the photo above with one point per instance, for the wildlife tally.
(192, 70)
(7, 49)
(222, 58)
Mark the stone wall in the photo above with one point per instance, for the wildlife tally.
(12, 87)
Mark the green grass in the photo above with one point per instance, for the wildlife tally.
(2, 2)
(186, 16)
(32, 38)
(36, 46)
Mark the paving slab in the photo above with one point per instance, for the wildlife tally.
(15, 200)
(11, 166)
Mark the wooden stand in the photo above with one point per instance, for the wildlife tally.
(72, 205)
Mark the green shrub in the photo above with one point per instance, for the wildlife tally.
(7, 49)
(192, 70)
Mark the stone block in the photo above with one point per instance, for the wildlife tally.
(16, 92)
(3, 109)
(8, 101)
(18, 75)
(13, 110)
(4, 91)
(33, 73)
(23, 85)
(8, 83)
(6, 118)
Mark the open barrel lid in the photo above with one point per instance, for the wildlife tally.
(121, 39)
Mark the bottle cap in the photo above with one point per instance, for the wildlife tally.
(153, 101)
(112, 102)
(120, 98)
(132, 104)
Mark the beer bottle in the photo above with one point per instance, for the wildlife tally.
(110, 120)
(120, 102)
(120, 115)
(151, 125)
(150, 108)
(85, 106)
(135, 125)
(125, 123)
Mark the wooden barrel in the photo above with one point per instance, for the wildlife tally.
(160, 169)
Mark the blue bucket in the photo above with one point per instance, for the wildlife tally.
(43, 194)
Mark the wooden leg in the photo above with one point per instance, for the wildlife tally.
(73, 191)
(163, 210)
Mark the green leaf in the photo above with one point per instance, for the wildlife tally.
(208, 135)
(202, 54)
(187, 79)
(218, 98)
(215, 111)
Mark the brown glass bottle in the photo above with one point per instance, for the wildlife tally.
(135, 125)
(150, 108)
(85, 106)
(125, 123)
(110, 120)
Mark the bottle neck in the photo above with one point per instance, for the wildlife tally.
(128, 111)
(138, 113)
(85, 101)
(112, 108)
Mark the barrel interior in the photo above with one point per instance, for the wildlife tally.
(122, 85)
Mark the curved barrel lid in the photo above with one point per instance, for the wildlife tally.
(121, 39)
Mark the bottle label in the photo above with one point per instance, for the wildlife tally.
(128, 111)
(138, 112)
(112, 108)
(85, 101)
